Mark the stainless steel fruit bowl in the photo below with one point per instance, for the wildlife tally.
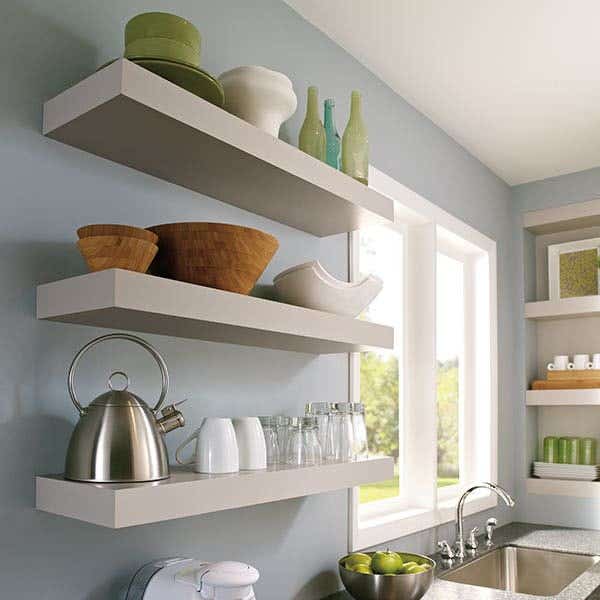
(363, 586)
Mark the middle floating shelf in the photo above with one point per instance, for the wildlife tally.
(120, 299)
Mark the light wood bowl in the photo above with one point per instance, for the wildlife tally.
(117, 252)
(115, 229)
(218, 255)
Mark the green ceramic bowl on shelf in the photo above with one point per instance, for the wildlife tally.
(163, 36)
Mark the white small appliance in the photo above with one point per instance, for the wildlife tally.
(191, 579)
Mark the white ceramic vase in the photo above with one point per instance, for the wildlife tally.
(262, 97)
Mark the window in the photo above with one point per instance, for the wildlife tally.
(380, 253)
(432, 399)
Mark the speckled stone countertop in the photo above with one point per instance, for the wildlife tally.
(580, 541)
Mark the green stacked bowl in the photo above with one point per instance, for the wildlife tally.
(162, 36)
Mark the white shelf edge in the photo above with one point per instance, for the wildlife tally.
(563, 487)
(120, 299)
(119, 112)
(566, 308)
(577, 397)
(188, 494)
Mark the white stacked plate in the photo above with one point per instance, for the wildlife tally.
(560, 471)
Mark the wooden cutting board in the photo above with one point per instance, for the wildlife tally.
(566, 384)
(573, 375)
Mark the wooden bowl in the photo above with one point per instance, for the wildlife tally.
(117, 252)
(120, 230)
(218, 255)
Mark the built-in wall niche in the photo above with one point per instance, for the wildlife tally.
(558, 326)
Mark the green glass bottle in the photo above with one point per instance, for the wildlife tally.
(333, 149)
(312, 134)
(355, 143)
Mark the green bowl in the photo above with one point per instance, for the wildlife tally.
(162, 36)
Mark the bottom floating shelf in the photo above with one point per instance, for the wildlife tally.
(186, 493)
(563, 487)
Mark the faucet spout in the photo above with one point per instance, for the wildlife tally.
(498, 490)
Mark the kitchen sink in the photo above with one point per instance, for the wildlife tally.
(523, 570)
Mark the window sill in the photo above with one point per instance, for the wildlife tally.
(384, 527)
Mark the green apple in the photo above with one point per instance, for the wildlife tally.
(366, 570)
(386, 563)
(408, 565)
(355, 559)
(413, 570)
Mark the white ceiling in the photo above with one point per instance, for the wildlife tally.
(516, 82)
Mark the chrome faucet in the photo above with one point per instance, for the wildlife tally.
(459, 549)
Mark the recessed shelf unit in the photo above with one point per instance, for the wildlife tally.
(564, 326)
(120, 299)
(187, 494)
(133, 117)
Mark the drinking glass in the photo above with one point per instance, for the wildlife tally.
(282, 424)
(303, 445)
(588, 451)
(269, 426)
(359, 429)
(320, 410)
(340, 433)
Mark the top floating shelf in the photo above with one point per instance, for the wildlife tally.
(133, 117)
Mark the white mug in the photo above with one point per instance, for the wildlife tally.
(581, 362)
(595, 364)
(251, 443)
(216, 448)
(560, 363)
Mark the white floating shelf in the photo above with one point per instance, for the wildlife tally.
(563, 397)
(186, 493)
(133, 117)
(563, 487)
(567, 308)
(120, 299)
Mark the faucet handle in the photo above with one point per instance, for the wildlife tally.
(472, 542)
(490, 525)
(445, 549)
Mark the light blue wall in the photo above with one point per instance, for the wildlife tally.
(547, 193)
(47, 190)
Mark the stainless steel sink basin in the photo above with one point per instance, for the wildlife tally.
(523, 570)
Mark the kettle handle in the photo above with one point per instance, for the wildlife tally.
(118, 336)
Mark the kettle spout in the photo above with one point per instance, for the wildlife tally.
(171, 419)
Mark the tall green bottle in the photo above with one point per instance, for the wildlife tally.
(312, 134)
(355, 143)
(333, 150)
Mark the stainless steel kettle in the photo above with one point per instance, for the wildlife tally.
(118, 438)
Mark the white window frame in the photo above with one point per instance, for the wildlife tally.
(427, 229)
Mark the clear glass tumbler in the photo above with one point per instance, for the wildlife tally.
(361, 445)
(303, 447)
(282, 424)
(340, 433)
(269, 425)
(320, 410)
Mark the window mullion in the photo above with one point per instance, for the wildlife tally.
(419, 408)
